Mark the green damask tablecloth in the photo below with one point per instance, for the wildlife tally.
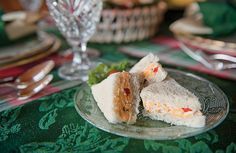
(51, 124)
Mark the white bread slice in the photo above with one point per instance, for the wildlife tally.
(170, 102)
(149, 68)
(106, 92)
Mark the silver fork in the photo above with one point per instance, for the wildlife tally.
(223, 57)
(204, 59)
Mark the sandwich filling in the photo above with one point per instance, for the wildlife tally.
(170, 102)
(151, 70)
(154, 107)
(124, 97)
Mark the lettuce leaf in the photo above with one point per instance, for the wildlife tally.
(102, 71)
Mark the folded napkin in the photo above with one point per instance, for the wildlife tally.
(3, 35)
(220, 16)
(10, 33)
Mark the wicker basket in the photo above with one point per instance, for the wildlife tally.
(126, 25)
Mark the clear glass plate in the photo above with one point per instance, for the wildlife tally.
(214, 102)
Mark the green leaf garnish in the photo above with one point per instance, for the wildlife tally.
(102, 71)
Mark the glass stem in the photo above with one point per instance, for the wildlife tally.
(80, 55)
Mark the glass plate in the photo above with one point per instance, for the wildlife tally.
(214, 102)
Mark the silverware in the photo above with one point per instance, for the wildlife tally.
(7, 79)
(208, 62)
(8, 103)
(34, 88)
(223, 57)
(26, 93)
(32, 75)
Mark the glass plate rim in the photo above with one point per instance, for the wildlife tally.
(166, 138)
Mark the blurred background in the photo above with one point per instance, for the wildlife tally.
(192, 22)
(14, 5)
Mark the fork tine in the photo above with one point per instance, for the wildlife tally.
(223, 57)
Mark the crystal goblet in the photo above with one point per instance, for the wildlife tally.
(76, 20)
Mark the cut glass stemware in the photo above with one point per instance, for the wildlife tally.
(76, 20)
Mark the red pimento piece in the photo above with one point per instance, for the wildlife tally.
(112, 72)
(155, 70)
(127, 91)
(186, 109)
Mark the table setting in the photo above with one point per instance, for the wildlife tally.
(118, 76)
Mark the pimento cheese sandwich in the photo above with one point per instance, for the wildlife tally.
(149, 68)
(170, 102)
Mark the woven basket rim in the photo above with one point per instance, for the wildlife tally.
(124, 25)
(132, 8)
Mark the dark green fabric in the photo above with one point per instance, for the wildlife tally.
(51, 124)
(221, 17)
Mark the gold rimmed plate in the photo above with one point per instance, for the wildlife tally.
(54, 48)
(27, 48)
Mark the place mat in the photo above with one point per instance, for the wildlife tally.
(167, 49)
(191, 31)
(7, 101)
(57, 57)
(223, 45)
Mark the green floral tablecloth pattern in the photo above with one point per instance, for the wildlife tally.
(51, 124)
